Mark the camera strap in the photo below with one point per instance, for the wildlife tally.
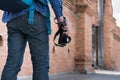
(56, 34)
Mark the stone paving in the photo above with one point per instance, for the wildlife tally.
(98, 75)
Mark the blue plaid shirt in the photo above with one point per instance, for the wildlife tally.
(56, 5)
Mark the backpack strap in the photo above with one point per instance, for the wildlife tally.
(31, 14)
(31, 10)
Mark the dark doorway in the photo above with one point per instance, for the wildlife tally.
(95, 46)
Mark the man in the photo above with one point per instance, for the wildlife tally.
(20, 31)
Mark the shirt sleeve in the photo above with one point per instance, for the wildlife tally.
(57, 7)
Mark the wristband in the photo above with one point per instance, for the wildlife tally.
(62, 23)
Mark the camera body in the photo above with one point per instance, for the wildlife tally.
(63, 39)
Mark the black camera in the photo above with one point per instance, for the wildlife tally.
(63, 38)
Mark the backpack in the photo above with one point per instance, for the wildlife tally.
(19, 5)
(14, 5)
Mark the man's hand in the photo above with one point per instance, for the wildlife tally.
(65, 28)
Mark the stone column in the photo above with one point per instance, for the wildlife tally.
(83, 56)
(107, 34)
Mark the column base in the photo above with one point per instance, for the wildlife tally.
(84, 68)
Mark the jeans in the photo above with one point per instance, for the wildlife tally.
(19, 33)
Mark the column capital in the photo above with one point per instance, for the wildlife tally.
(80, 6)
(85, 6)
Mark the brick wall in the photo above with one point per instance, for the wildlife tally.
(111, 39)
(64, 56)
(115, 57)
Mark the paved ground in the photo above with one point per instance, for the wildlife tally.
(98, 75)
(85, 77)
